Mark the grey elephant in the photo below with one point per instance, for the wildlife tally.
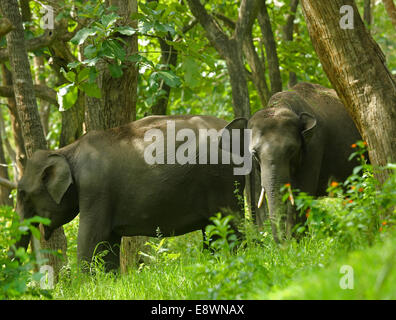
(303, 139)
(123, 183)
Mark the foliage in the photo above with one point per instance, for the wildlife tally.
(159, 252)
(17, 275)
(355, 211)
(220, 236)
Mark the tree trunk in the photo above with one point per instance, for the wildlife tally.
(270, 49)
(288, 30)
(355, 65)
(256, 65)
(391, 9)
(44, 105)
(117, 107)
(4, 191)
(20, 152)
(231, 48)
(367, 12)
(27, 109)
(169, 58)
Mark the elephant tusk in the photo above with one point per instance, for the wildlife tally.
(261, 199)
(291, 198)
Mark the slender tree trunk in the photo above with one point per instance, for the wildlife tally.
(231, 48)
(270, 49)
(44, 105)
(256, 65)
(367, 12)
(27, 109)
(391, 9)
(288, 30)
(258, 70)
(20, 152)
(355, 65)
(4, 192)
(169, 58)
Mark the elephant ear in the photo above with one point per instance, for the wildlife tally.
(308, 125)
(57, 177)
(226, 137)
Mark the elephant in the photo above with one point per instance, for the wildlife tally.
(303, 138)
(107, 177)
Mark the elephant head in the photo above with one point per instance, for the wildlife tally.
(46, 190)
(279, 138)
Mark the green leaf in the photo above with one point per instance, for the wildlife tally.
(117, 49)
(83, 75)
(91, 89)
(37, 219)
(82, 35)
(191, 72)
(126, 30)
(35, 232)
(139, 58)
(67, 96)
(115, 70)
(70, 76)
(169, 78)
(91, 62)
(90, 51)
(109, 19)
(73, 65)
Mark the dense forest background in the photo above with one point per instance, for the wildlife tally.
(100, 64)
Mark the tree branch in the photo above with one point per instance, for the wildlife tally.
(42, 92)
(257, 67)
(270, 49)
(213, 31)
(7, 183)
(5, 26)
(391, 9)
(247, 14)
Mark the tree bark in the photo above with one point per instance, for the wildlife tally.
(367, 12)
(270, 49)
(44, 105)
(20, 152)
(169, 58)
(231, 48)
(27, 109)
(256, 65)
(4, 191)
(355, 65)
(5, 26)
(391, 9)
(288, 30)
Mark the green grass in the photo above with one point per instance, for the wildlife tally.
(308, 269)
(353, 227)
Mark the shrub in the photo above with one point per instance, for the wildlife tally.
(17, 275)
(356, 211)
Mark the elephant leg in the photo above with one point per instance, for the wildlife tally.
(95, 237)
(112, 258)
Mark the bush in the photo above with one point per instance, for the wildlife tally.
(17, 275)
(356, 211)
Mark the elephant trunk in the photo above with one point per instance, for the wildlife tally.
(280, 213)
